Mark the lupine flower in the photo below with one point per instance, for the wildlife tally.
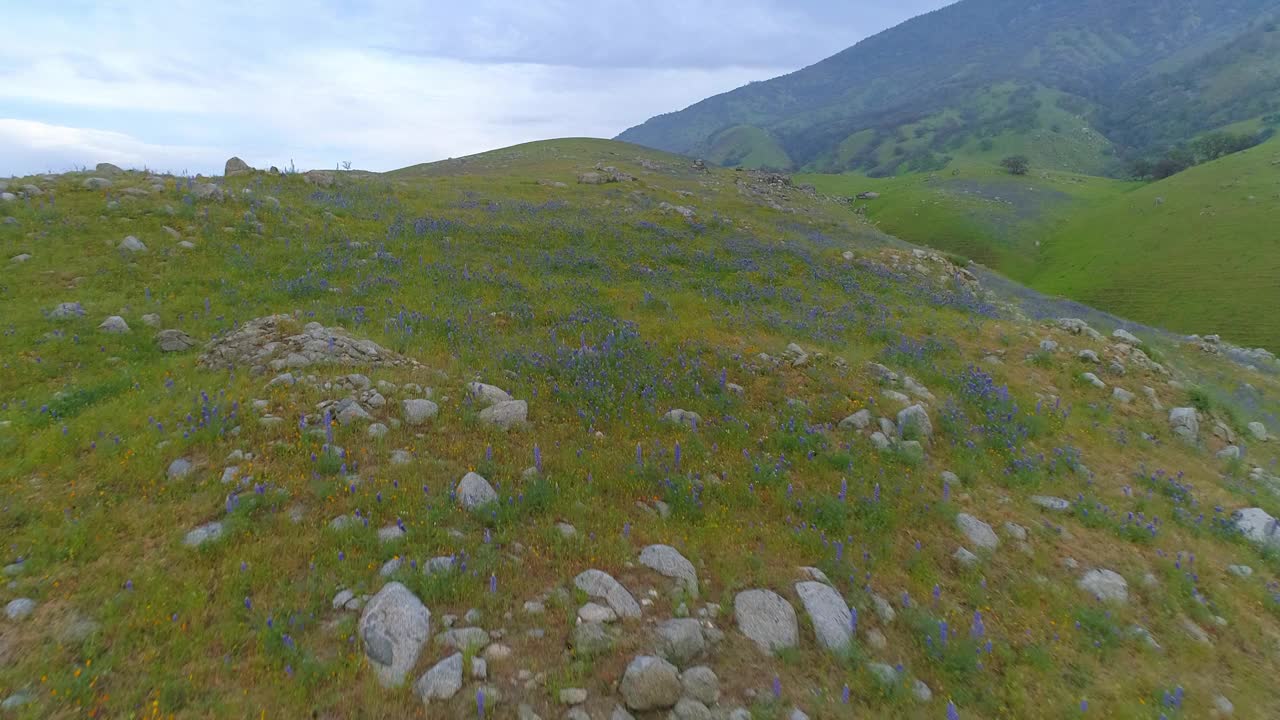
(537, 458)
(952, 713)
(853, 620)
(844, 697)
(493, 583)
(480, 702)
(777, 686)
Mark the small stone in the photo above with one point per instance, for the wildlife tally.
(174, 341)
(132, 244)
(829, 614)
(573, 696)
(505, 414)
(1015, 531)
(114, 325)
(1122, 396)
(203, 534)
(690, 709)
(599, 584)
(1050, 503)
(680, 640)
(876, 639)
(667, 561)
(1242, 571)
(1223, 706)
(19, 609)
(1093, 380)
(594, 613)
(151, 320)
(479, 669)
(965, 557)
(1259, 431)
(591, 638)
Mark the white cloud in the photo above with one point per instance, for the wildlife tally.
(185, 83)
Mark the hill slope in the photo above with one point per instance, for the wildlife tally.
(723, 422)
(986, 72)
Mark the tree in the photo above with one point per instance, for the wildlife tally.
(1016, 164)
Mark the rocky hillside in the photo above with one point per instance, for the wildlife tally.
(580, 430)
(1068, 83)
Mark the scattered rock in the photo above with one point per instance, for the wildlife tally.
(1093, 380)
(686, 417)
(1257, 526)
(666, 560)
(1105, 585)
(418, 411)
(650, 683)
(442, 681)
(204, 534)
(1122, 396)
(488, 394)
(1258, 431)
(978, 532)
(600, 584)
(474, 491)
(132, 244)
(964, 557)
(19, 609)
(236, 166)
(1051, 503)
(913, 423)
(1242, 571)
(114, 325)
(66, 310)
(766, 619)
(179, 469)
(505, 414)
(96, 183)
(274, 343)
(857, 421)
(701, 684)
(394, 626)
(1126, 337)
(829, 614)
(1185, 422)
(680, 641)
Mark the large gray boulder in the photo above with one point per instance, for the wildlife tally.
(913, 423)
(1105, 585)
(1185, 422)
(1257, 526)
(474, 491)
(108, 169)
(600, 584)
(174, 341)
(766, 619)
(505, 415)
(236, 166)
(666, 560)
(978, 532)
(680, 640)
(393, 627)
(650, 683)
(488, 394)
(417, 411)
(829, 614)
(442, 681)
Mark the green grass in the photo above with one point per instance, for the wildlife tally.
(603, 312)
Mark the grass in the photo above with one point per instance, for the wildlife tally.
(603, 313)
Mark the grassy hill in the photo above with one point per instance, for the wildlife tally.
(1072, 84)
(1196, 252)
(249, 431)
(1193, 253)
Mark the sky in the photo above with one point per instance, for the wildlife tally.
(181, 85)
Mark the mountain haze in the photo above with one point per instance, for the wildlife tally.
(1071, 84)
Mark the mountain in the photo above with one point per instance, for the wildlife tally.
(1070, 83)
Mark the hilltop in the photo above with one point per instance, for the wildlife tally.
(580, 429)
(1072, 85)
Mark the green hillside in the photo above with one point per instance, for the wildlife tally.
(1073, 84)
(1198, 252)
(578, 429)
(1195, 252)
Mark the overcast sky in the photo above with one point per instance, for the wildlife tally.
(180, 85)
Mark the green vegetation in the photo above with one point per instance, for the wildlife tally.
(603, 309)
(1082, 87)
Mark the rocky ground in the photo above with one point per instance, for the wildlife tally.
(574, 430)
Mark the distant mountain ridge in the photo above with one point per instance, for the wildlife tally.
(1071, 83)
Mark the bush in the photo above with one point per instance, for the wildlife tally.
(1016, 164)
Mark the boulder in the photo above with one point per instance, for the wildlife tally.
(650, 683)
(857, 421)
(1185, 422)
(505, 414)
(417, 411)
(978, 532)
(132, 244)
(683, 417)
(1257, 526)
(600, 584)
(19, 609)
(766, 619)
(96, 183)
(236, 166)
(487, 394)
(442, 681)
(1126, 337)
(204, 534)
(393, 627)
(108, 169)
(680, 641)
(701, 684)
(666, 560)
(174, 341)
(829, 614)
(114, 325)
(1105, 585)
(913, 423)
(473, 491)
(1258, 431)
